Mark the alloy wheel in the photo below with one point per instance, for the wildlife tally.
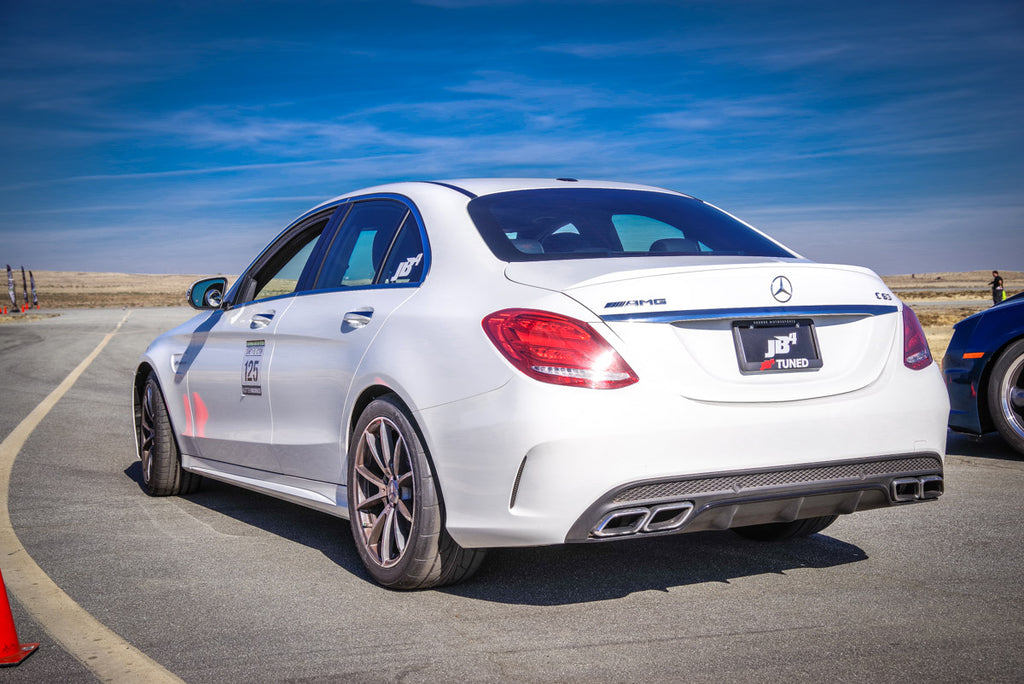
(147, 430)
(385, 491)
(1011, 396)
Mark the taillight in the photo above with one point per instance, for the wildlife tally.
(916, 354)
(557, 349)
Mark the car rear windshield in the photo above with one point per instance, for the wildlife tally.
(580, 223)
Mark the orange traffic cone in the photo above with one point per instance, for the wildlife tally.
(12, 652)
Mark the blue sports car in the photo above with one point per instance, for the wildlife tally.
(984, 372)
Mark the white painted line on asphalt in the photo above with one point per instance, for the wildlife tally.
(111, 658)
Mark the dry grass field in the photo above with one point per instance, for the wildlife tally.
(83, 290)
(942, 299)
(939, 299)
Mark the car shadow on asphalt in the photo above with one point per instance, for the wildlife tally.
(584, 573)
(325, 533)
(990, 445)
(553, 575)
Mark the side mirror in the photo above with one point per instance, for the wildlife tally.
(207, 293)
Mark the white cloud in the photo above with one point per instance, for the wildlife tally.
(920, 235)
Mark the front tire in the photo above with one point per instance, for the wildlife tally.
(1006, 395)
(162, 474)
(394, 507)
(786, 530)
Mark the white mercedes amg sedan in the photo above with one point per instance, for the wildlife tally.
(467, 364)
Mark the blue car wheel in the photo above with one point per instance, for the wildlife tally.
(1006, 395)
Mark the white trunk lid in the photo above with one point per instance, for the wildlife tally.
(676, 324)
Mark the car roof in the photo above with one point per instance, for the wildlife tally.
(475, 187)
(488, 186)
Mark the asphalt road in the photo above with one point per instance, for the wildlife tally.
(230, 586)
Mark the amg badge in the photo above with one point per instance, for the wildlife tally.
(635, 302)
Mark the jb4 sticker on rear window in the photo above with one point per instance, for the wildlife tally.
(405, 268)
(251, 368)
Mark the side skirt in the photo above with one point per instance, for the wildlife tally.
(327, 497)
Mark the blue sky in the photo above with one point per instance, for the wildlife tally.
(180, 137)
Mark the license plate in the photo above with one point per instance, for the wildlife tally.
(776, 346)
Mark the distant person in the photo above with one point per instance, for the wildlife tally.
(997, 288)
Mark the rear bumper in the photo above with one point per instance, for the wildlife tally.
(719, 501)
(532, 464)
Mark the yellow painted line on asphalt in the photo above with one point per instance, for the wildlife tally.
(111, 658)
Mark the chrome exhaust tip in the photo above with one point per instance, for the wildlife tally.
(917, 488)
(661, 518)
(622, 522)
(906, 489)
(932, 487)
(668, 516)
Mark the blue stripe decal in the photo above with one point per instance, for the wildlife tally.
(752, 312)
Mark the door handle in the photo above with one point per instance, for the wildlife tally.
(357, 319)
(261, 320)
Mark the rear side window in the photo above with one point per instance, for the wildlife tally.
(405, 261)
(578, 223)
(362, 245)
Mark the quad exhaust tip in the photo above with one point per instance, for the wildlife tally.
(626, 521)
(672, 516)
(917, 488)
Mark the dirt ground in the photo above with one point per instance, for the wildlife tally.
(939, 299)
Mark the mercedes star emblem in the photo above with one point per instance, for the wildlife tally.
(782, 289)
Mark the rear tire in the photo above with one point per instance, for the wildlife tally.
(1006, 395)
(394, 506)
(786, 530)
(162, 474)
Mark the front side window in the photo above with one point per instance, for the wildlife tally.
(285, 279)
(643, 234)
(578, 223)
(281, 272)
